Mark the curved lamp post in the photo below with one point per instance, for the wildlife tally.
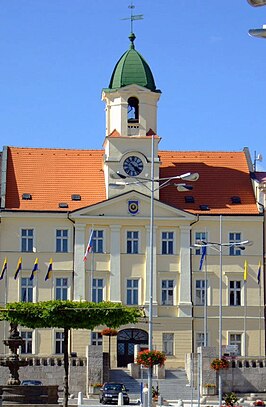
(153, 185)
(220, 246)
(258, 32)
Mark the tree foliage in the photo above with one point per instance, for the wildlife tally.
(69, 314)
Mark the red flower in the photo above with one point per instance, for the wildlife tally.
(149, 358)
(109, 332)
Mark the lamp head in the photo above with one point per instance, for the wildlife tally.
(183, 187)
(189, 176)
(116, 186)
(257, 3)
(117, 175)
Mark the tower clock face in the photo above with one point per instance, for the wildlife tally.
(133, 166)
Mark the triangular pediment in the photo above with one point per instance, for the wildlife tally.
(131, 204)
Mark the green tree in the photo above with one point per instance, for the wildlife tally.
(69, 315)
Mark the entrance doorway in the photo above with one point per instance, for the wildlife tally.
(126, 339)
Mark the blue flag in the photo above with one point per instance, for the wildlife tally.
(203, 255)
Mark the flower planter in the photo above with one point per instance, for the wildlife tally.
(209, 390)
(94, 389)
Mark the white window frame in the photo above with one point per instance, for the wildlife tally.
(63, 287)
(234, 250)
(31, 285)
(98, 338)
(168, 343)
(132, 289)
(62, 238)
(55, 341)
(96, 239)
(27, 237)
(168, 288)
(200, 343)
(132, 239)
(241, 348)
(235, 290)
(97, 288)
(167, 240)
(201, 289)
(201, 236)
(32, 331)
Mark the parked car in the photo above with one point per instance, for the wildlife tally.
(109, 393)
(31, 383)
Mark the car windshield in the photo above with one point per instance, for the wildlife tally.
(114, 387)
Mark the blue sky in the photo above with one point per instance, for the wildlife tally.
(57, 55)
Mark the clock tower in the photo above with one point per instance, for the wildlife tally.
(131, 120)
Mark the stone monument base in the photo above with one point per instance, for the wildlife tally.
(29, 395)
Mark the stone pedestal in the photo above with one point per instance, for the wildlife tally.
(19, 395)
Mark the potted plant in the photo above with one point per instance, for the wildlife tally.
(155, 392)
(95, 388)
(230, 399)
(149, 358)
(218, 364)
(259, 403)
(209, 389)
(109, 332)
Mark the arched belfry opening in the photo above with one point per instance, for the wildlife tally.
(133, 110)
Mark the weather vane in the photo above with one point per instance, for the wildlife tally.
(133, 17)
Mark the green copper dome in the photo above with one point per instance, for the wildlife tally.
(132, 69)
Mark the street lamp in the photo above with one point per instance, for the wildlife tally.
(258, 32)
(257, 3)
(220, 246)
(153, 185)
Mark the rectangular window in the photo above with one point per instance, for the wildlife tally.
(200, 236)
(200, 292)
(59, 342)
(132, 242)
(27, 240)
(26, 347)
(62, 240)
(168, 344)
(97, 290)
(167, 242)
(132, 292)
(61, 288)
(235, 339)
(235, 293)
(200, 339)
(97, 241)
(167, 292)
(234, 238)
(96, 339)
(26, 289)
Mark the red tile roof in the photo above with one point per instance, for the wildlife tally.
(51, 176)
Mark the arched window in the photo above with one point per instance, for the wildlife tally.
(133, 110)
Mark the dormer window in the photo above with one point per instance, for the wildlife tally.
(133, 110)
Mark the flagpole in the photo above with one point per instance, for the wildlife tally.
(245, 318)
(5, 322)
(205, 305)
(260, 320)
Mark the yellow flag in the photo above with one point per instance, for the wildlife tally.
(245, 270)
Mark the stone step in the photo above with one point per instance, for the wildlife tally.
(173, 387)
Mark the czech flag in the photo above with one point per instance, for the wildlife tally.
(89, 246)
